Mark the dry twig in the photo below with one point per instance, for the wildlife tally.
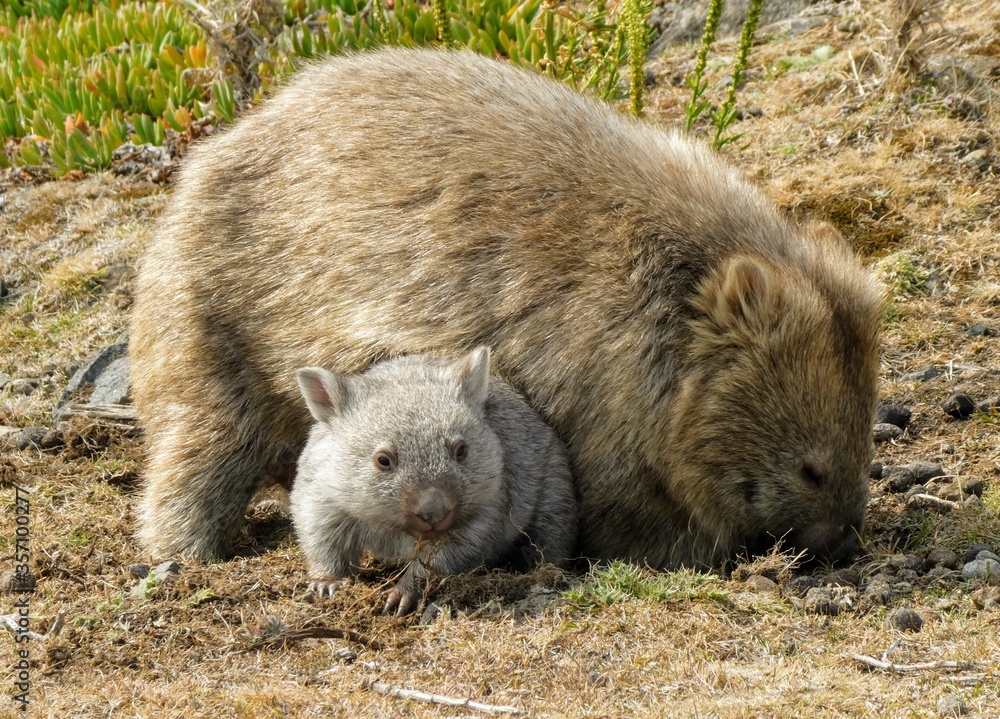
(873, 663)
(399, 693)
(9, 622)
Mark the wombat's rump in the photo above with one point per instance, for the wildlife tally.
(710, 366)
(429, 461)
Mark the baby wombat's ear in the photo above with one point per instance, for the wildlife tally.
(745, 291)
(325, 392)
(473, 375)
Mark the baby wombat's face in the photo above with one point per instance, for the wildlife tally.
(405, 446)
(771, 430)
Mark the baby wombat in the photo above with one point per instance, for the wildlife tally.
(426, 459)
(710, 366)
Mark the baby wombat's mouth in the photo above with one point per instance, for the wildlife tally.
(430, 512)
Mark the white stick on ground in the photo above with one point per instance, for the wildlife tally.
(874, 663)
(399, 693)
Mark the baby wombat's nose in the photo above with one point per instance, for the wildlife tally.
(828, 541)
(432, 510)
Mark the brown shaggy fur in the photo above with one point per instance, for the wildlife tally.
(711, 367)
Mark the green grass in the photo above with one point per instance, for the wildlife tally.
(623, 582)
(78, 78)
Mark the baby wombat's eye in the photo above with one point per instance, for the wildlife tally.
(385, 460)
(458, 450)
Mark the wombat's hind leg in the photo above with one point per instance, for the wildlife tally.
(195, 497)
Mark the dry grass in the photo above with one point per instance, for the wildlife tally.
(899, 159)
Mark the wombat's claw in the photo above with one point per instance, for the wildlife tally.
(400, 602)
(326, 586)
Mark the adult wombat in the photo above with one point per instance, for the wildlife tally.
(710, 366)
(426, 459)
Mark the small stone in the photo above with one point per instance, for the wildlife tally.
(166, 571)
(139, 570)
(27, 438)
(905, 620)
(875, 470)
(13, 583)
(986, 598)
(52, 439)
(921, 375)
(951, 707)
(885, 432)
(985, 570)
(935, 574)
(433, 612)
(5, 379)
(913, 563)
(973, 552)
(759, 583)
(900, 478)
(893, 414)
(345, 655)
(48, 369)
(819, 600)
(800, 586)
(988, 405)
(27, 318)
(925, 471)
(942, 557)
(987, 554)
(848, 577)
(948, 448)
(979, 330)
(959, 405)
(948, 491)
(24, 386)
(878, 592)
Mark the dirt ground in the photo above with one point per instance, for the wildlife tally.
(879, 120)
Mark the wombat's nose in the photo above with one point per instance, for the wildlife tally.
(824, 540)
(433, 511)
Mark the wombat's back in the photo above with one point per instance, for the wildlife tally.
(410, 201)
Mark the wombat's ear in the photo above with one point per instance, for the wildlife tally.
(325, 392)
(746, 292)
(473, 374)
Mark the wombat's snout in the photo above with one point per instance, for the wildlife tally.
(827, 541)
(431, 512)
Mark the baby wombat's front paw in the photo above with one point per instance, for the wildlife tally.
(401, 600)
(325, 586)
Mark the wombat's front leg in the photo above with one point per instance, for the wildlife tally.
(406, 594)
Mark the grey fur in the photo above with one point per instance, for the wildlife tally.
(512, 486)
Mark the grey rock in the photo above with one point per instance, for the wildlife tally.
(951, 707)
(982, 570)
(924, 471)
(973, 551)
(24, 386)
(433, 612)
(112, 385)
(27, 438)
(878, 592)
(759, 583)
(941, 573)
(980, 330)
(885, 432)
(166, 571)
(875, 470)
(847, 577)
(92, 369)
(900, 479)
(139, 570)
(800, 586)
(921, 375)
(959, 405)
(895, 414)
(13, 583)
(345, 655)
(988, 405)
(942, 557)
(5, 379)
(987, 554)
(905, 620)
